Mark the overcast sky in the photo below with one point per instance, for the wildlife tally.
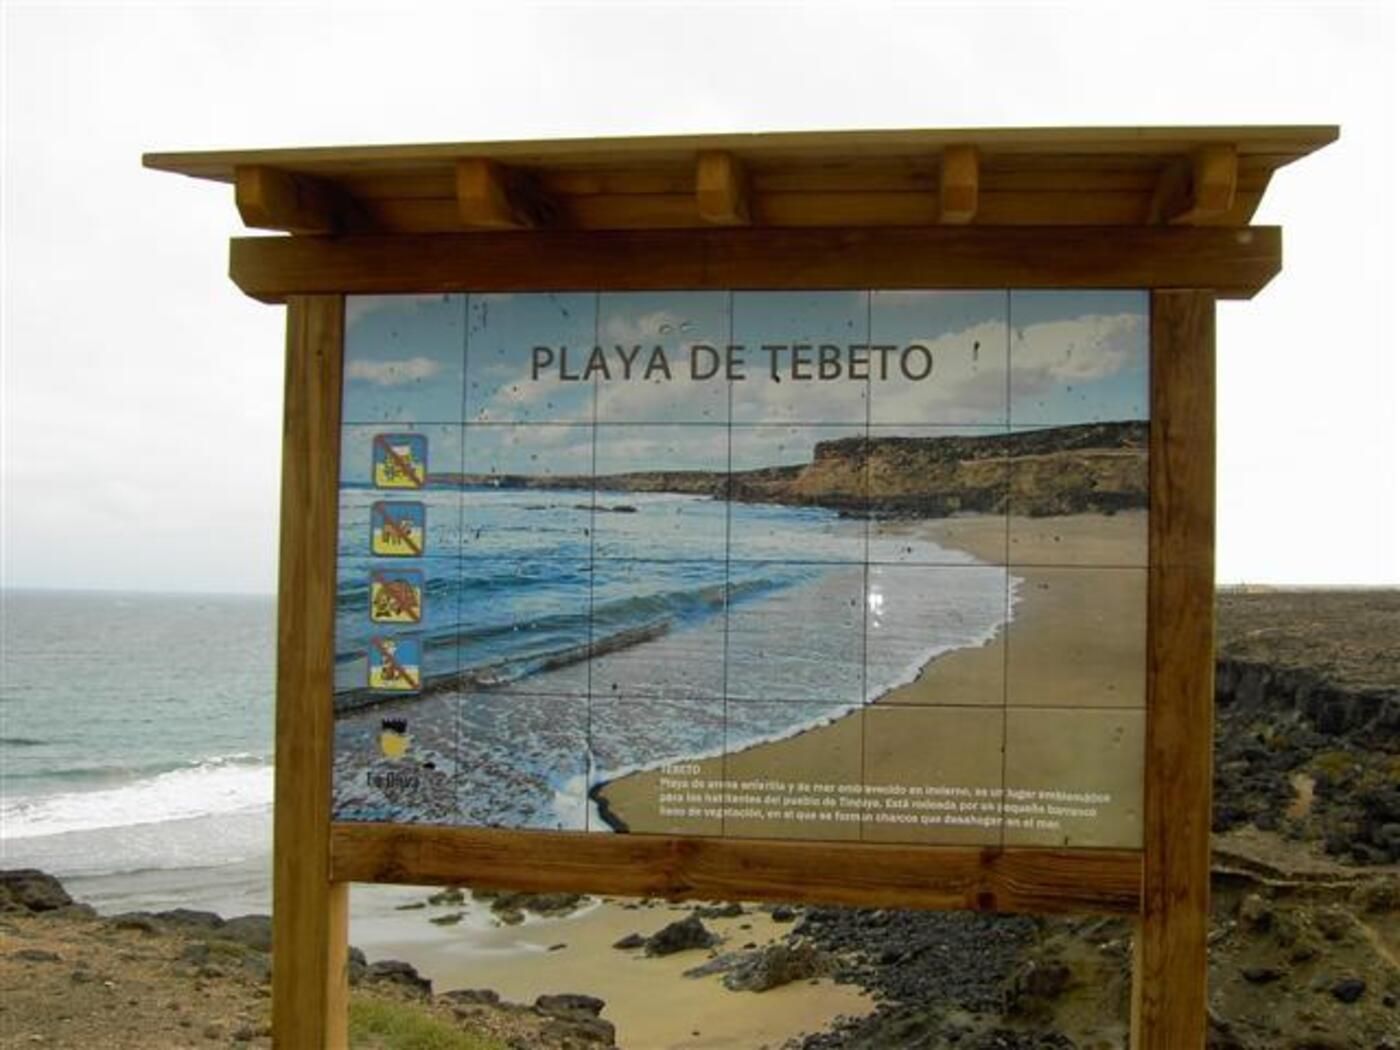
(142, 391)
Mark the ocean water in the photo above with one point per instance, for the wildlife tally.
(136, 729)
(135, 732)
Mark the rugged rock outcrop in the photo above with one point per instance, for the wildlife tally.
(1085, 468)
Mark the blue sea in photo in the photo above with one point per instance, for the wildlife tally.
(690, 642)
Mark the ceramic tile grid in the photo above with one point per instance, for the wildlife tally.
(657, 587)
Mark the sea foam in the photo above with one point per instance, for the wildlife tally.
(218, 785)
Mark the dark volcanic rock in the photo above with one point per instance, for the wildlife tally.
(356, 964)
(472, 996)
(581, 1029)
(190, 919)
(680, 936)
(28, 889)
(1349, 989)
(776, 965)
(393, 971)
(576, 1017)
(632, 940)
(255, 931)
(568, 1004)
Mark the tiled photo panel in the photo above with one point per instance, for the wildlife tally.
(803, 783)
(525, 759)
(1074, 777)
(525, 623)
(833, 565)
(937, 495)
(1079, 357)
(396, 761)
(798, 493)
(404, 358)
(796, 633)
(1078, 495)
(528, 355)
(666, 355)
(797, 347)
(657, 765)
(934, 634)
(660, 491)
(528, 492)
(936, 773)
(1078, 638)
(658, 629)
(938, 357)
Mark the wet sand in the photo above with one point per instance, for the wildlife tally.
(1065, 681)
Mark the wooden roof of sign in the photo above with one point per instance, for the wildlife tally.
(1094, 177)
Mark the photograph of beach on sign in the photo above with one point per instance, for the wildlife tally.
(828, 565)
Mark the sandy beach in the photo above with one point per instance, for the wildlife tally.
(648, 999)
(1065, 680)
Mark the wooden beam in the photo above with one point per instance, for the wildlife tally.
(1196, 189)
(309, 911)
(871, 875)
(721, 189)
(269, 199)
(1169, 972)
(1234, 262)
(491, 196)
(957, 184)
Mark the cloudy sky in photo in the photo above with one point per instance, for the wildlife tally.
(142, 391)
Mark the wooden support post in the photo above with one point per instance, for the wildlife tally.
(1169, 972)
(721, 190)
(493, 197)
(958, 184)
(269, 199)
(309, 913)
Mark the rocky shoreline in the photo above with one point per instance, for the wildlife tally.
(1098, 468)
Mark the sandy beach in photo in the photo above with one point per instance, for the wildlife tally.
(1064, 603)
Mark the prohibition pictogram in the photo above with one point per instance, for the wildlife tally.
(395, 663)
(398, 530)
(400, 461)
(396, 596)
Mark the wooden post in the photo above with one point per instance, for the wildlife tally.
(1169, 972)
(309, 914)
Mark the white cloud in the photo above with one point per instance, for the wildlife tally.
(393, 373)
(1084, 349)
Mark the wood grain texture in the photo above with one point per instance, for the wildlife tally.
(269, 199)
(1214, 176)
(309, 986)
(1169, 975)
(493, 197)
(957, 184)
(721, 190)
(1235, 263)
(870, 875)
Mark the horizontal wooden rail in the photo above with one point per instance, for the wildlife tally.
(1235, 263)
(870, 875)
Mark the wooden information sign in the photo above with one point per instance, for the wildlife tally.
(819, 517)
